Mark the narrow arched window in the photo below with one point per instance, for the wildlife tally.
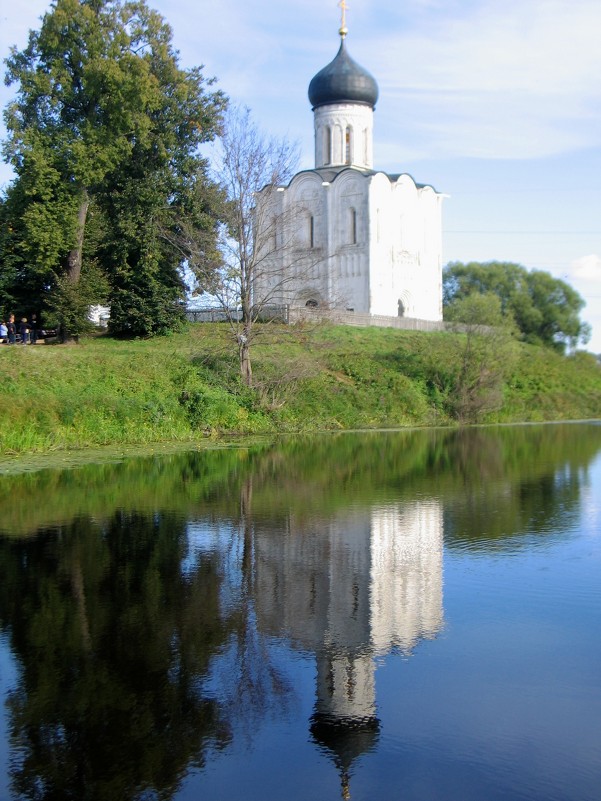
(311, 231)
(353, 226)
(327, 142)
(348, 141)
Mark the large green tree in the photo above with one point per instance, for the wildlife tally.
(545, 309)
(105, 120)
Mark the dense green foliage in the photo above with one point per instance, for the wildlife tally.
(103, 137)
(544, 309)
(188, 386)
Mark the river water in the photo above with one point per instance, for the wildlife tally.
(408, 615)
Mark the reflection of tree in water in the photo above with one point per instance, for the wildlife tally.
(114, 642)
(516, 483)
(121, 639)
(476, 469)
(252, 686)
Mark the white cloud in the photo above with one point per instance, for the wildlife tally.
(457, 78)
(498, 82)
(587, 268)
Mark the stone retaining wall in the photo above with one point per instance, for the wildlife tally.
(299, 314)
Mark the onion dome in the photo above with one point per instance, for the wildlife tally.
(343, 81)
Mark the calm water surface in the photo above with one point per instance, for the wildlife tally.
(407, 615)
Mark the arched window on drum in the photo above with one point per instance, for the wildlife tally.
(348, 145)
(327, 145)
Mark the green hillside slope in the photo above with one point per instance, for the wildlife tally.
(186, 386)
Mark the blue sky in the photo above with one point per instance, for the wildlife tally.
(496, 105)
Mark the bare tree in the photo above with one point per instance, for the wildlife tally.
(259, 245)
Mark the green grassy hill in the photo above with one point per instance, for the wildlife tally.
(186, 386)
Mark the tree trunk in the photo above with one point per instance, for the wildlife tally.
(75, 256)
(244, 355)
(246, 493)
(244, 338)
(77, 584)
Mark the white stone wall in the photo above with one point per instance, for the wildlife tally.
(359, 242)
(406, 253)
(348, 232)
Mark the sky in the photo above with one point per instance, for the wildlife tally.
(497, 105)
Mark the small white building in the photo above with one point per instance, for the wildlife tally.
(344, 235)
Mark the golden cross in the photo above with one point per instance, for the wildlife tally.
(343, 29)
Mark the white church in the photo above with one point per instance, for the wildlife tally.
(344, 235)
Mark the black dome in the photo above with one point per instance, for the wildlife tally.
(343, 80)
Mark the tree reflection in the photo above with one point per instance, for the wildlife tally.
(139, 655)
(113, 641)
(470, 470)
(252, 685)
(515, 483)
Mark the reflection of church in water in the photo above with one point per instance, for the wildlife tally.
(348, 591)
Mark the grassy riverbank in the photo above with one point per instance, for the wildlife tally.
(185, 387)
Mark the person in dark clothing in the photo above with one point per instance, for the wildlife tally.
(12, 330)
(33, 330)
(23, 330)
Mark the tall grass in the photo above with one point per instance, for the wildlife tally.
(186, 386)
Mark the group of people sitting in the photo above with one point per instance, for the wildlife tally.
(24, 332)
